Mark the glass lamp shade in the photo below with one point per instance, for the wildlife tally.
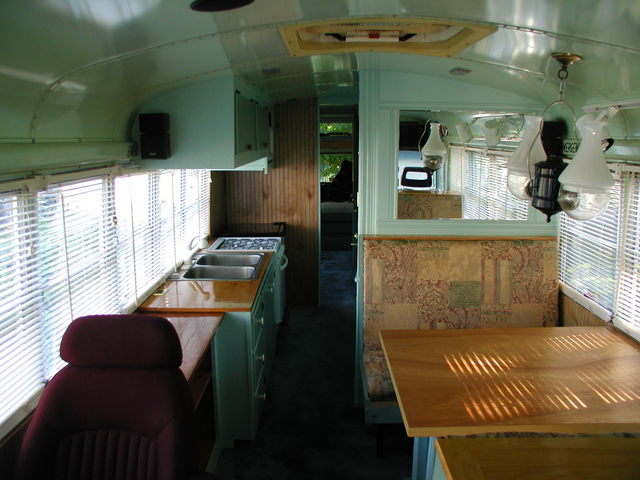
(519, 184)
(491, 133)
(586, 181)
(582, 206)
(606, 141)
(464, 132)
(529, 152)
(434, 153)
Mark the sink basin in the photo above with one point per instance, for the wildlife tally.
(220, 272)
(235, 259)
(223, 266)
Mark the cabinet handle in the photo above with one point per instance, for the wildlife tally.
(260, 358)
(260, 321)
(270, 290)
(284, 262)
(261, 396)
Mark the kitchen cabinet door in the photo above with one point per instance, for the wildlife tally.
(245, 125)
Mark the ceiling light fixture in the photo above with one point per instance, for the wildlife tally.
(581, 189)
(218, 5)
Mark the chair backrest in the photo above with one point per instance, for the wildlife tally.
(120, 409)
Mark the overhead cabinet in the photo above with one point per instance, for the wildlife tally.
(222, 124)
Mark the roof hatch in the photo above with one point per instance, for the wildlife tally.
(403, 35)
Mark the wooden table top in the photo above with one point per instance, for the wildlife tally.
(206, 296)
(540, 458)
(195, 335)
(559, 379)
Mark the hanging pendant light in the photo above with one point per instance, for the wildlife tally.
(434, 153)
(529, 152)
(582, 190)
(586, 183)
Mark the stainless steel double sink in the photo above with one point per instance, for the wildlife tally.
(224, 266)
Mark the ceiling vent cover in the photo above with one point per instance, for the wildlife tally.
(402, 35)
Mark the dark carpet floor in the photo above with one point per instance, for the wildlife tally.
(310, 428)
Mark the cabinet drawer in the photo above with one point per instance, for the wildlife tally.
(258, 357)
(257, 323)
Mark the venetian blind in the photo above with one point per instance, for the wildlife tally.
(588, 253)
(77, 257)
(484, 189)
(160, 215)
(627, 305)
(456, 162)
(21, 376)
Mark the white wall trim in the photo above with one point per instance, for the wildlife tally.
(583, 301)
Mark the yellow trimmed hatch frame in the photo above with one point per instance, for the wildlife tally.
(422, 36)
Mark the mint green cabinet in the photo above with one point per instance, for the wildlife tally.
(243, 351)
(215, 125)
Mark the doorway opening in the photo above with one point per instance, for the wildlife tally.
(338, 178)
(338, 210)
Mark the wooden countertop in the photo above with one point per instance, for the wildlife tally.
(595, 458)
(548, 379)
(206, 296)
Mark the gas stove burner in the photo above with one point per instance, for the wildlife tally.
(246, 243)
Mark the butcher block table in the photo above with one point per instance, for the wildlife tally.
(474, 381)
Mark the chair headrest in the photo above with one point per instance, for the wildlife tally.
(136, 341)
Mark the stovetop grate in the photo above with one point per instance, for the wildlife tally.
(246, 243)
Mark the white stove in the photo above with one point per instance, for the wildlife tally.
(246, 243)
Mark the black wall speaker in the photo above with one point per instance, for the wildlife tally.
(154, 136)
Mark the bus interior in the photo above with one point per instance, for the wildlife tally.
(289, 182)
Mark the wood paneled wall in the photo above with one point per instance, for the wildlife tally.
(288, 193)
(218, 194)
(573, 314)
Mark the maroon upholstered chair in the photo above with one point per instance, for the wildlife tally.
(119, 410)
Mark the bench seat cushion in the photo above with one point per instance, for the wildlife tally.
(465, 283)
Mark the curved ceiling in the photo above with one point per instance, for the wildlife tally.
(80, 68)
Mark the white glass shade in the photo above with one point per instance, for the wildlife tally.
(434, 153)
(606, 141)
(464, 132)
(528, 153)
(518, 184)
(491, 133)
(586, 181)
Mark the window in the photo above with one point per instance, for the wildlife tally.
(588, 251)
(77, 256)
(481, 179)
(600, 258)
(627, 307)
(88, 246)
(20, 355)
